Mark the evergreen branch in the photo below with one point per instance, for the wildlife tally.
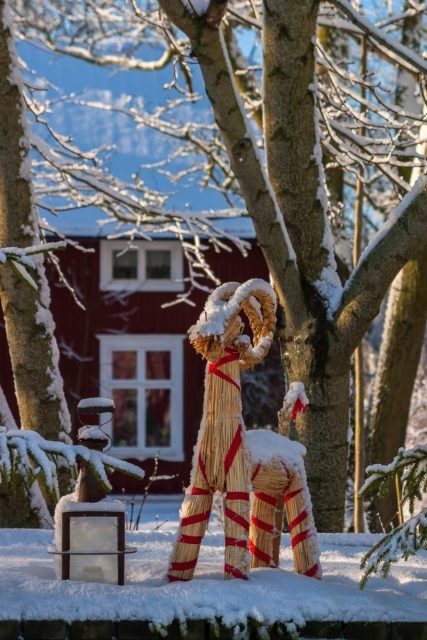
(411, 536)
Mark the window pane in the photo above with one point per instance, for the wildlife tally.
(125, 265)
(124, 365)
(158, 265)
(157, 416)
(125, 418)
(158, 365)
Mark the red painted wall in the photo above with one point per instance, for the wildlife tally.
(137, 313)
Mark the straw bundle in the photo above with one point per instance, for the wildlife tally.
(278, 476)
(220, 462)
(301, 528)
(269, 481)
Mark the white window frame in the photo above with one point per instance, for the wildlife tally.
(142, 343)
(108, 283)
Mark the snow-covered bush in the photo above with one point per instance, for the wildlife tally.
(410, 468)
(26, 455)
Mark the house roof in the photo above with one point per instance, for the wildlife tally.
(89, 226)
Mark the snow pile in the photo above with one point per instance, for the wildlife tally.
(29, 589)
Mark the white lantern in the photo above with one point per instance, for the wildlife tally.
(93, 542)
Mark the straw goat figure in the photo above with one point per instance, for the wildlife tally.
(234, 462)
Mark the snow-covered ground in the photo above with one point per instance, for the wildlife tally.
(29, 590)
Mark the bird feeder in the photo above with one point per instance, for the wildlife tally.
(92, 529)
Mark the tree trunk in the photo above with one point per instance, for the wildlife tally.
(20, 506)
(401, 348)
(29, 325)
(323, 427)
(404, 325)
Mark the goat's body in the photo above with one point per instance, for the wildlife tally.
(223, 463)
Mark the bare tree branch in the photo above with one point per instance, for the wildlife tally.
(378, 36)
(401, 238)
(209, 48)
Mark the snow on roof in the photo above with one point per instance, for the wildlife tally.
(89, 227)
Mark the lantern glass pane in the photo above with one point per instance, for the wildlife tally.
(125, 265)
(124, 365)
(158, 264)
(158, 417)
(94, 533)
(125, 418)
(158, 365)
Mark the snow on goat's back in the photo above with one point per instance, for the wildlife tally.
(265, 445)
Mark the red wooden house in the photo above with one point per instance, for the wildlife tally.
(124, 345)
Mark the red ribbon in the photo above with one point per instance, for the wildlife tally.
(198, 517)
(214, 366)
(261, 524)
(183, 566)
(234, 572)
(197, 491)
(255, 473)
(238, 519)
(291, 494)
(298, 407)
(266, 498)
(236, 495)
(234, 447)
(235, 542)
(172, 578)
(259, 553)
(300, 537)
(190, 539)
(312, 571)
(302, 516)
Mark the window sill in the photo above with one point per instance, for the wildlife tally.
(135, 286)
(168, 454)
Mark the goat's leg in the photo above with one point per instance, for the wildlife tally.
(263, 529)
(236, 510)
(236, 529)
(302, 528)
(195, 512)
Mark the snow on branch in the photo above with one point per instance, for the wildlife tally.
(27, 454)
(397, 50)
(402, 237)
(20, 260)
